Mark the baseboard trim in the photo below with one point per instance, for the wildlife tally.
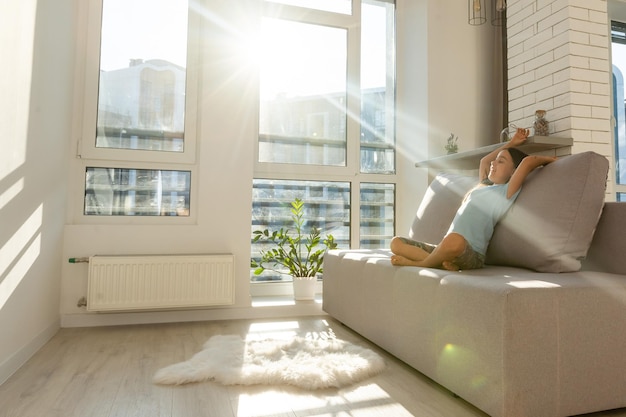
(19, 358)
(296, 309)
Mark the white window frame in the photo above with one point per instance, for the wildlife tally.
(86, 147)
(88, 71)
(352, 171)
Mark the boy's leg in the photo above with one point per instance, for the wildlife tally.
(412, 251)
(450, 247)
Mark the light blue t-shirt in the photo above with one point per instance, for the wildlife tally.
(480, 212)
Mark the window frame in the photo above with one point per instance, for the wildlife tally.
(86, 146)
(351, 172)
(88, 54)
(347, 22)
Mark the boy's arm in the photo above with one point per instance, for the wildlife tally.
(485, 162)
(525, 167)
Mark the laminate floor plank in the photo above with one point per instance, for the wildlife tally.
(107, 372)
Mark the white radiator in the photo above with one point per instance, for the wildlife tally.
(122, 283)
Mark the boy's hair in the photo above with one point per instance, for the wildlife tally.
(517, 156)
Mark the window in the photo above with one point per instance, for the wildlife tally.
(327, 207)
(136, 192)
(138, 111)
(618, 32)
(302, 116)
(327, 121)
(377, 214)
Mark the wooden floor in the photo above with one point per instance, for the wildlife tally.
(107, 371)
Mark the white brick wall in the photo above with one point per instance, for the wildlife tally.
(558, 60)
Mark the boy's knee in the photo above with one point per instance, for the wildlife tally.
(395, 243)
(455, 244)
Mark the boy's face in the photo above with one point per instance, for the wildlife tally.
(501, 168)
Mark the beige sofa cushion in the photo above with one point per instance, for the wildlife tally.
(439, 205)
(551, 225)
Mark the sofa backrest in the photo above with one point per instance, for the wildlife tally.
(608, 247)
(550, 226)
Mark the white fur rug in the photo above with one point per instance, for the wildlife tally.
(305, 363)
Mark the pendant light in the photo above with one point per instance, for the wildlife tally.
(498, 12)
(477, 12)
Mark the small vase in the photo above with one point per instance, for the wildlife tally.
(304, 288)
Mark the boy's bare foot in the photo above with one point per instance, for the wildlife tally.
(402, 261)
(450, 266)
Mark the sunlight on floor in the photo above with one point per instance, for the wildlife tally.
(368, 399)
(273, 330)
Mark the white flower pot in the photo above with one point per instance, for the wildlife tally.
(304, 288)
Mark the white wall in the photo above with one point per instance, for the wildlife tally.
(35, 79)
(464, 91)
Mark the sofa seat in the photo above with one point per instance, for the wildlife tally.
(511, 341)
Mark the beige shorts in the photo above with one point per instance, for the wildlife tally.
(469, 259)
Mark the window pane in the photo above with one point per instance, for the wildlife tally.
(377, 215)
(141, 101)
(377, 87)
(136, 192)
(303, 94)
(337, 6)
(326, 205)
(618, 56)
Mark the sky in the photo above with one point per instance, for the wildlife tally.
(160, 34)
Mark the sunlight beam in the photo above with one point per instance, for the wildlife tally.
(18, 247)
(18, 272)
(15, 82)
(11, 192)
(12, 248)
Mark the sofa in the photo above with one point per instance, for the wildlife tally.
(539, 331)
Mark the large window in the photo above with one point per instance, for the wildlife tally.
(327, 121)
(139, 111)
(141, 94)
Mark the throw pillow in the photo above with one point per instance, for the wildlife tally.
(550, 226)
(439, 205)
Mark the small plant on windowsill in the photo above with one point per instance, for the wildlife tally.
(296, 253)
(451, 145)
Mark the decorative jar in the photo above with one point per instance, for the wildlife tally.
(541, 126)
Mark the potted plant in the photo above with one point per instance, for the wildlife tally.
(451, 145)
(294, 253)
